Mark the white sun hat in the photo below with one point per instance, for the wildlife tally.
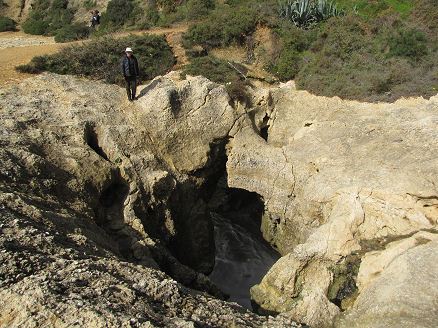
(128, 50)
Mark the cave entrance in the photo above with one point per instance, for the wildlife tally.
(243, 257)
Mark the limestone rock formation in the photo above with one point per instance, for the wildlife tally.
(103, 217)
(403, 294)
(338, 179)
(104, 213)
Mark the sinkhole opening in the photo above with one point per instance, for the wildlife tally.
(92, 140)
(110, 217)
(265, 127)
(243, 257)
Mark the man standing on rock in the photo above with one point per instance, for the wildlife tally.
(129, 70)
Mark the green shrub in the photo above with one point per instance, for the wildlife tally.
(59, 18)
(42, 5)
(37, 65)
(408, 43)
(369, 60)
(35, 24)
(48, 19)
(150, 18)
(76, 31)
(223, 27)
(117, 13)
(287, 67)
(293, 43)
(220, 71)
(167, 6)
(58, 5)
(425, 13)
(215, 69)
(199, 8)
(100, 58)
(7, 24)
(207, 33)
(169, 18)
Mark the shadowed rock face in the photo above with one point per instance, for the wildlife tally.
(107, 159)
(105, 203)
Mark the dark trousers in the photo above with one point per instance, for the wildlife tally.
(131, 86)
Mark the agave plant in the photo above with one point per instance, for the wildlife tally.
(305, 13)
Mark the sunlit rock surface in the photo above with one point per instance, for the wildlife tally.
(339, 179)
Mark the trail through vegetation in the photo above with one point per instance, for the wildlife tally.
(18, 48)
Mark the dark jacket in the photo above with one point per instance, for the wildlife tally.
(96, 19)
(124, 66)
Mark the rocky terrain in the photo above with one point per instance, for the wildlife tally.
(347, 187)
(103, 217)
(105, 205)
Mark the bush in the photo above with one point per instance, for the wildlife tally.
(408, 43)
(49, 19)
(237, 90)
(76, 31)
(293, 42)
(7, 24)
(215, 69)
(35, 24)
(100, 59)
(117, 13)
(380, 59)
(167, 6)
(59, 16)
(223, 27)
(426, 13)
(199, 8)
(37, 65)
(220, 71)
(150, 18)
(89, 4)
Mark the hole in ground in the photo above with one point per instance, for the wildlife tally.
(110, 217)
(92, 140)
(243, 257)
(264, 128)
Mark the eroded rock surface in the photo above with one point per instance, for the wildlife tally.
(403, 294)
(338, 179)
(105, 205)
(103, 218)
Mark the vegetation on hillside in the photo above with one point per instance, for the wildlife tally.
(377, 51)
(221, 71)
(55, 18)
(7, 24)
(100, 59)
(355, 49)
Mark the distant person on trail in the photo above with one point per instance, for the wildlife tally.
(129, 70)
(95, 19)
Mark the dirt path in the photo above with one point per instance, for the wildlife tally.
(18, 48)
